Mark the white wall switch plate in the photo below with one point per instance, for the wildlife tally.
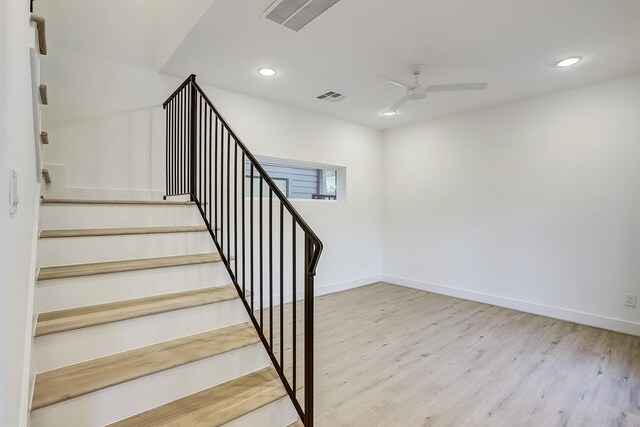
(630, 300)
(13, 192)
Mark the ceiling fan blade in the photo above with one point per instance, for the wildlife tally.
(397, 105)
(395, 81)
(457, 86)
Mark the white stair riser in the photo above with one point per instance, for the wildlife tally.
(80, 250)
(104, 216)
(72, 292)
(127, 399)
(66, 348)
(280, 413)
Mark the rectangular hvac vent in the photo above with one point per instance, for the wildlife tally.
(285, 9)
(296, 14)
(331, 96)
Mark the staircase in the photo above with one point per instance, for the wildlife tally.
(193, 312)
(140, 324)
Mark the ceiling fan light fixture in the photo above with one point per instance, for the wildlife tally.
(567, 62)
(267, 71)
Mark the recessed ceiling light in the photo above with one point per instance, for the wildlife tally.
(389, 113)
(267, 72)
(567, 62)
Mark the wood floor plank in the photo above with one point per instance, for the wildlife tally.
(76, 380)
(214, 406)
(82, 317)
(116, 202)
(93, 232)
(90, 269)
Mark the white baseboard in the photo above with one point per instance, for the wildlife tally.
(618, 325)
(343, 286)
(319, 290)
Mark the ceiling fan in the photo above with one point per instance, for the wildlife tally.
(416, 91)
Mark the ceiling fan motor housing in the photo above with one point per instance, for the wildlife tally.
(417, 93)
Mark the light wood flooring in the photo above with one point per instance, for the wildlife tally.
(393, 356)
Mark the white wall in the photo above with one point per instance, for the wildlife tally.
(106, 125)
(351, 230)
(17, 239)
(4, 214)
(532, 205)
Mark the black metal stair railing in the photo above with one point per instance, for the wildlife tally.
(269, 255)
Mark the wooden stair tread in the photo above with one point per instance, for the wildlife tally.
(116, 202)
(297, 423)
(214, 406)
(82, 317)
(89, 269)
(65, 383)
(87, 232)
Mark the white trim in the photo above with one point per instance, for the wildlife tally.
(343, 286)
(319, 291)
(618, 325)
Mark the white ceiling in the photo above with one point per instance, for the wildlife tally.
(138, 32)
(511, 44)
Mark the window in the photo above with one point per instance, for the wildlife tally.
(295, 182)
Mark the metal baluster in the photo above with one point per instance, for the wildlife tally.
(174, 141)
(215, 182)
(193, 139)
(293, 285)
(235, 208)
(244, 270)
(281, 287)
(271, 268)
(198, 153)
(222, 228)
(183, 130)
(166, 156)
(253, 295)
(185, 142)
(260, 243)
(210, 170)
(205, 167)
(179, 147)
(200, 148)
(228, 197)
(169, 148)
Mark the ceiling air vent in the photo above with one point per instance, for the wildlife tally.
(296, 14)
(331, 96)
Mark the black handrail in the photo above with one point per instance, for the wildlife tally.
(200, 147)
